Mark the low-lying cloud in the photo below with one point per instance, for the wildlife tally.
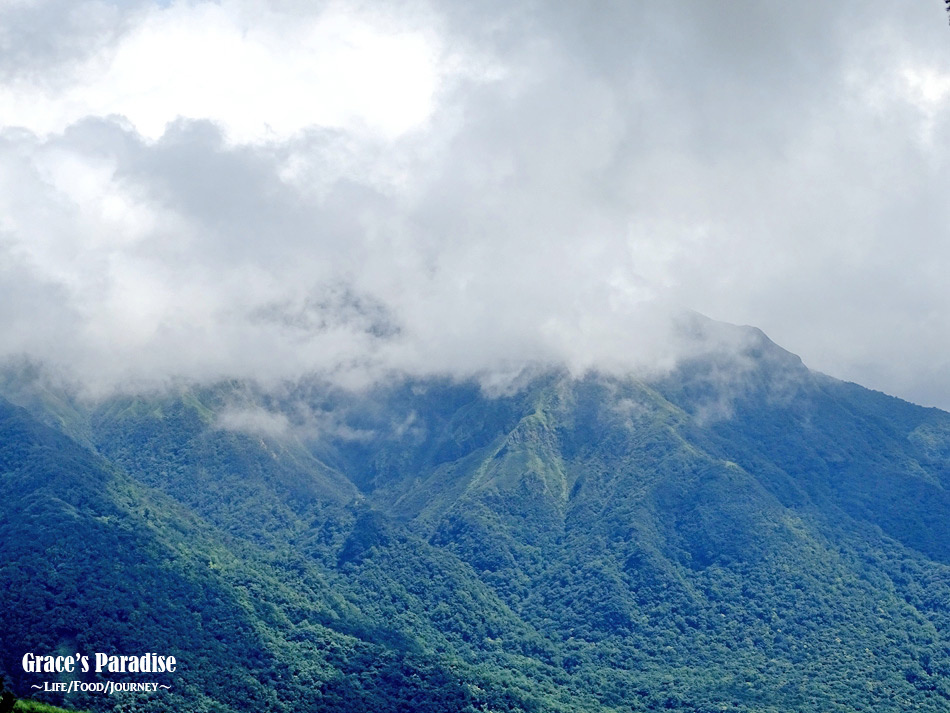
(203, 190)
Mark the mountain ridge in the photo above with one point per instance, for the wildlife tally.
(739, 532)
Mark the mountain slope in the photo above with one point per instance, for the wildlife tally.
(92, 561)
(738, 534)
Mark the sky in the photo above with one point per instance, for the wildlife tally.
(266, 190)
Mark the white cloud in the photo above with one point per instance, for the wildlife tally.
(445, 187)
(254, 421)
(261, 75)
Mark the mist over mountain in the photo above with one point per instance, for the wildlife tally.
(736, 533)
(216, 190)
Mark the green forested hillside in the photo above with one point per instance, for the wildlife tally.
(29, 706)
(741, 534)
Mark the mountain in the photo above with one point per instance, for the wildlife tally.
(737, 534)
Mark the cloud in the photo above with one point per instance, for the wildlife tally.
(254, 421)
(221, 189)
(259, 72)
(43, 41)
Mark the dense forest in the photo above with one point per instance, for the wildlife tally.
(739, 534)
